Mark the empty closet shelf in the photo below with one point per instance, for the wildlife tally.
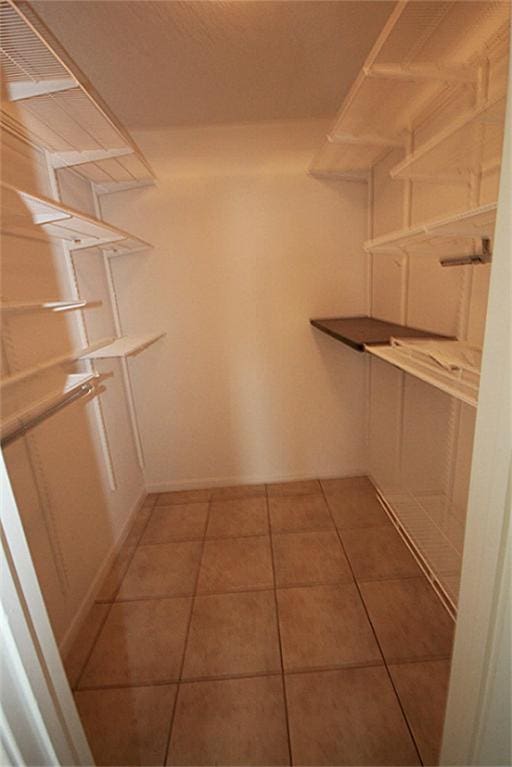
(124, 346)
(28, 215)
(461, 384)
(360, 332)
(48, 101)
(471, 143)
(398, 82)
(73, 387)
(441, 233)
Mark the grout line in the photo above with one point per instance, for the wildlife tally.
(378, 579)
(377, 641)
(283, 684)
(187, 633)
(127, 686)
(250, 589)
(199, 539)
(102, 626)
(256, 674)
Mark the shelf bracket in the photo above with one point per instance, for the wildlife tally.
(485, 257)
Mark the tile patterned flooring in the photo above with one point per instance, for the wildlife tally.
(264, 625)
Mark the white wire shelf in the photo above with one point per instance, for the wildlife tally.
(429, 540)
(25, 214)
(471, 143)
(459, 384)
(424, 50)
(124, 346)
(50, 103)
(72, 384)
(474, 224)
(23, 307)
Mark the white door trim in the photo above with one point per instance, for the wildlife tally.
(474, 731)
(39, 724)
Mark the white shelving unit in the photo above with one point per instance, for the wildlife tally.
(34, 216)
(50, 102)
(456, 384)
(467, 225)
(51, 105)
(125, 346)
(427, 539)
(424, 50)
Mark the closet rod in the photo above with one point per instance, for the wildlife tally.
(85, 389)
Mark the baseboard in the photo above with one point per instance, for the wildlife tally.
(76, 624)
(198, 484)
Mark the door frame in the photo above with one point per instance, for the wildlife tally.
(478, 710)
(39, 722)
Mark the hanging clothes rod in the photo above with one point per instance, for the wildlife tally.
(22, 426)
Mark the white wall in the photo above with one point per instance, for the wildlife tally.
(248, 247)
(72, 519)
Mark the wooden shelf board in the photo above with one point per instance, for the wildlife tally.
(360, 332)
(124, 346)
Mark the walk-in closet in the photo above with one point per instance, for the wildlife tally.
(255, 388)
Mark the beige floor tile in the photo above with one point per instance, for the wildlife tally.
(236, 564)
(306, 558)
(75, 660)
(113, 580)
(299, 513)
(230, 722)
(140, 643)
(355, 508)
(347, 717)
(410, 622)
(304, 487)
(184, 521)
(232, 634)
(184, 496)
(378, 552)
(150, 499)
(238, 491)
(127, 726)
(342, 484)
(241, 516)
(138, 526)
(324, 626)
(422, 689)
(167, 569)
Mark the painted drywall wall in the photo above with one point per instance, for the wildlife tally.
(248, 247)
(72, 519)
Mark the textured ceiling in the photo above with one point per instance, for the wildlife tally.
(166, 63)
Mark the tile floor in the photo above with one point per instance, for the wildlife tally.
(264, 625)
